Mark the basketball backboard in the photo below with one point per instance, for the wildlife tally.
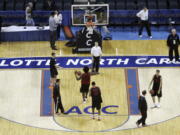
(98, 12)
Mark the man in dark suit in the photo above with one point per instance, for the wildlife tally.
(173, 43)
(142, 104)
(53, 69)
(57, 98)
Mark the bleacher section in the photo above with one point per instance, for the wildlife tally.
(122, 12)
(114, 4)
(117, 17)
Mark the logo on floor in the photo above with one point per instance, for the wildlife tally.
(79, 62)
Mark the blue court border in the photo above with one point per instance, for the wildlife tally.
(132, 84)
(46, 95)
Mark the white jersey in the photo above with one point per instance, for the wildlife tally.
(58, 18)
(143, 15)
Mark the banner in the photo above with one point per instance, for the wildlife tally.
(79, 62)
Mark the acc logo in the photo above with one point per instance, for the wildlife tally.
(105, 110)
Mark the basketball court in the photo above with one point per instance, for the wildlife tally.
(127, 66)
(27, 107)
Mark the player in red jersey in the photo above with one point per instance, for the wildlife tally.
(157, 87)
(85, 82)
(95, 93)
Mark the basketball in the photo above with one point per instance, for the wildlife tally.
(78, 73)
(151, 92)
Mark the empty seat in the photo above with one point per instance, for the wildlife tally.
(152, 4)
(130, 6)
(99, 1)
(2, 5)
(162, 5)
(154, 16)
(120, 5)
(161, 0)
(134, 1)
(59, 4)
(27, 1)
(141, 4)
(19, 4)
(80, 1)
(39, 5)
(67, 4)
(173, 4)
(164, 16)
(179, 3)
(112, 4)
(9, 4)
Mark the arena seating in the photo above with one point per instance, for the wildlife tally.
(1, 5)
(152, 4)
(121, 5)
(114, 4)
(39, 5)
(19, 5)
(122, 12)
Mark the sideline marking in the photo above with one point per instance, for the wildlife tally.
(46, 95)
(133, 90)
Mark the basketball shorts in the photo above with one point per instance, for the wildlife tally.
(156, 93)
(96, 105)
(84, 88)
(54, 73)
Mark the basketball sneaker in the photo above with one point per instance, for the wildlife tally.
(99, 118)
(158, 105)
(154, 106)
(144, 125)
(84, 101)
(93, 117)
(137, 124)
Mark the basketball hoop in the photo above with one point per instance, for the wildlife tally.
(98, 13)
(89, 22)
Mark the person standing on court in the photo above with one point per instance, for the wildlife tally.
(144, 16)
(28, 12)
(53, 69)
(95, 94)
(96, 53)
(156, 88)
(173, 43)
(53, 30)
(85, 82)
(58, 19)
(57, 98)
(142, 105)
